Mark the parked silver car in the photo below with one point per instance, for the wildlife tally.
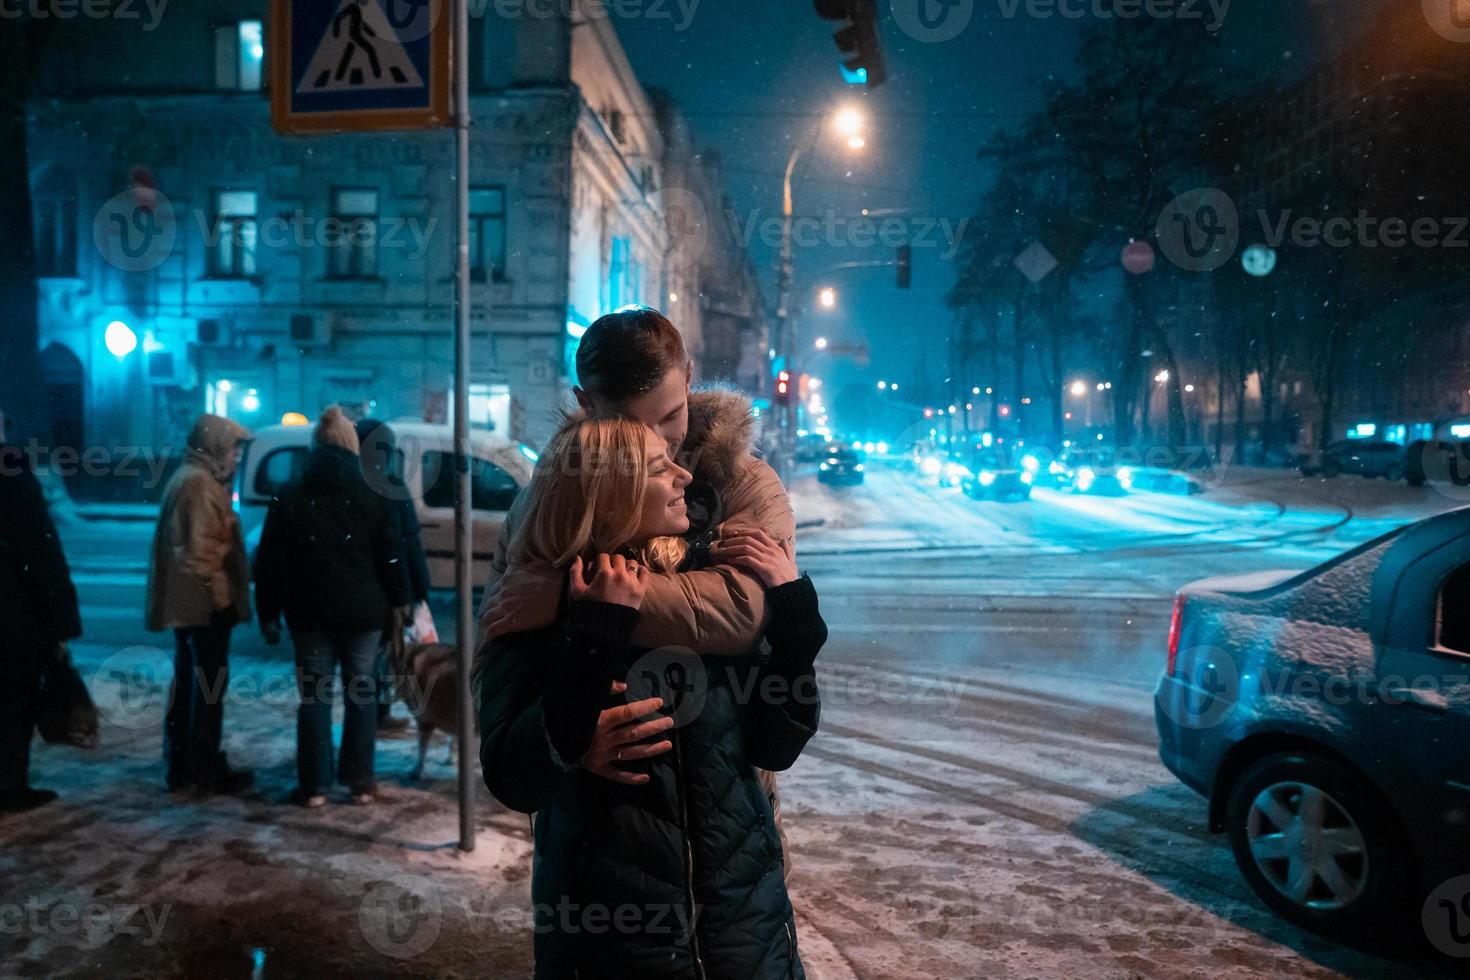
(1325, 715)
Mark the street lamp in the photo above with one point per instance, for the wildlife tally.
(1079, 388)
(850, 122)
(821, 343)
(883, 386)
(119, 339)
(828, 297)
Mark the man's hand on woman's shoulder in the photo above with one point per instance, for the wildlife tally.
(773, 562)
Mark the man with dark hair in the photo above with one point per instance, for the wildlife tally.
(38, 607)
(633, 364)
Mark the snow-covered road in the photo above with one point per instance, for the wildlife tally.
(984, 798)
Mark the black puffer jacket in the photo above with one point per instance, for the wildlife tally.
(331, 551)
(38, 604)
(680, 876)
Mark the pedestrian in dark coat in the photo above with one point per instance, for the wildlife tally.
(38, 613)
(656, 851)
(331, 559)
(383, 469)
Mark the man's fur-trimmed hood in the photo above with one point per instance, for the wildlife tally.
(721, 435)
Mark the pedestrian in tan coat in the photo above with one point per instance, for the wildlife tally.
(198, 586)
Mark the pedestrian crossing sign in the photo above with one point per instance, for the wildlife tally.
(359, 65)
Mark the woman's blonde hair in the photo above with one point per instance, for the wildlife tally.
(587, 497)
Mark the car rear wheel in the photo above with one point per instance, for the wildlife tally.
(1314, 842)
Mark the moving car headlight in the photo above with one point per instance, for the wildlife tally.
(930, 466)
(1125, 476)
(1030, 463)
(825, 466)
(1056, 468)
(986, 479)
(1027, 478)
(859, 467)
(1085, 479)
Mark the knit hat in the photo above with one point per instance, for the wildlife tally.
(336, 429)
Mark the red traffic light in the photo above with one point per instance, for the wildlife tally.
(783, 386)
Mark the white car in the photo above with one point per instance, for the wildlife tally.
(425, 474)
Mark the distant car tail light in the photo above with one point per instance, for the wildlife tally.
(1176, 627)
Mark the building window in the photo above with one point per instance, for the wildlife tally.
(487, 233)
(239, 53)
(232, 253)
(56, 234)
(354, 255)
(617, 274)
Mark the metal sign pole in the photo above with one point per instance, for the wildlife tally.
(464, 618)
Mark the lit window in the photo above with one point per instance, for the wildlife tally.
(239, 53)
(232, 252)
(354, 254)
(487, 233)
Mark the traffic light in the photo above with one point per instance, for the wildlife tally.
(783, 388)
(857, 39)
(905, 263)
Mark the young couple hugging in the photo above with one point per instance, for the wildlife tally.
(646, 663)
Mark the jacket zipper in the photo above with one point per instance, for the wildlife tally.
(790, 952)
(688, 858)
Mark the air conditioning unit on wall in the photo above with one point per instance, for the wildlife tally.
(214, 332)
(168, 366)
(312, 329)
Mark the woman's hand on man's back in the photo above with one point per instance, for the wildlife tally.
(609, 578)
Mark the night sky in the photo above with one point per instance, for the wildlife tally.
(749, 74)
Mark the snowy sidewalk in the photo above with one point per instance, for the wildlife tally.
(120, 878)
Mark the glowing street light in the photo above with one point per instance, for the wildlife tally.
(856, 143)
(1162, 377)
(119, 339)
(827, 297)
(1079, 388)
(883, 386)
(821, 343)
(849, 121)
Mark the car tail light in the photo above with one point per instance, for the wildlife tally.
(1176, 627)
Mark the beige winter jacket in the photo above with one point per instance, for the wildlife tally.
(198, 566)
(718, 611)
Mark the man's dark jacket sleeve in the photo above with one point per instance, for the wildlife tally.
(780, 722)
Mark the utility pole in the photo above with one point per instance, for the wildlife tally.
(463, 539)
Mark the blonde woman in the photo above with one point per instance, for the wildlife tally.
(667, 864)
